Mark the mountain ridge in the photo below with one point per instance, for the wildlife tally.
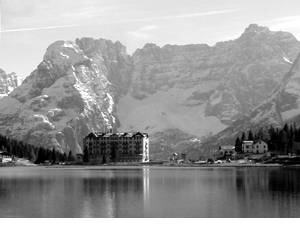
(197, 90)
(268, 113)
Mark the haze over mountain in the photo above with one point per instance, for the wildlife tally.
(179, 94)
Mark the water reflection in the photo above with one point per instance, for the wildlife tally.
(74, 193)
(268, 192)
(150, 192)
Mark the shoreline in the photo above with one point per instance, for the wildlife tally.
(149, 165)
(116, 166)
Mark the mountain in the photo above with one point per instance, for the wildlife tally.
(72, 92)
(180, 94)
(8, 82)
(201, 90)
(282, 106)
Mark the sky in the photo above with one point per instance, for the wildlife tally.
(28, 27)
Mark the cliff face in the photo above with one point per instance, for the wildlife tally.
(8, 82)
(281, 106)
(72, 92)
(190, 91)
(200, 89)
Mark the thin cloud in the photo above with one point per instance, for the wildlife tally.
(143, 32)
(209, 13)
(169, 17)
(283, 23)
(180, 16)
(37, 28)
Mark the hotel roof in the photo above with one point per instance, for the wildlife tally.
(248, 142)
(120, 134)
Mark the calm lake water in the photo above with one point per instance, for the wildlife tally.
(149, 192)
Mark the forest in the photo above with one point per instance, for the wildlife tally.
(35, 154)
(280, 140)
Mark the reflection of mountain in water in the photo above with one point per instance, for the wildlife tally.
(150, 192)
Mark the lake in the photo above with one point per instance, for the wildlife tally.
(149, 192)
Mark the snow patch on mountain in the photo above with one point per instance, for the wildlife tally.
(287, 60)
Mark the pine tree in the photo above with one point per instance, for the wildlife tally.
(31, 155)
(64, 158)
(260, 134)
(243, 138)
(71, 157)
(40, 156)
(250, 136)
(238, 145)
(283, 140)
(286, 128)
(53, 157)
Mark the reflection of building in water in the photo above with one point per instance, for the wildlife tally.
(115, 193)
(146, 187)
(97, 198)
(117, 147)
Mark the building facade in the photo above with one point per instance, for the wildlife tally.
(116, 147)
(226, 151)
(260, 147)
(257, 147)
(5, 157)
(247, 146)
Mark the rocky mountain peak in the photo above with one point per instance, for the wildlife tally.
(103, 47)
(72, 92)
(113, 56)
(258, 33)
(148, 49)
(64, 53)
(8, 82)
(255, 28)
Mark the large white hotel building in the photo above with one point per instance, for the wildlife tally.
(116, 147)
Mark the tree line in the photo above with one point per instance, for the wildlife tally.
(282, 140)
(35, 154)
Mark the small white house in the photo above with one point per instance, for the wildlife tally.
(247, 146)
(260, 147)
(5, 157)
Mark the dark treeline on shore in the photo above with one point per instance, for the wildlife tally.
(283, 140)
(35, 154)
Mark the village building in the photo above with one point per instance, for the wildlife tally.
(260, 147)
(226, 151)
(117, 147)
(257, 147)
(5, 157)
(247, 146)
